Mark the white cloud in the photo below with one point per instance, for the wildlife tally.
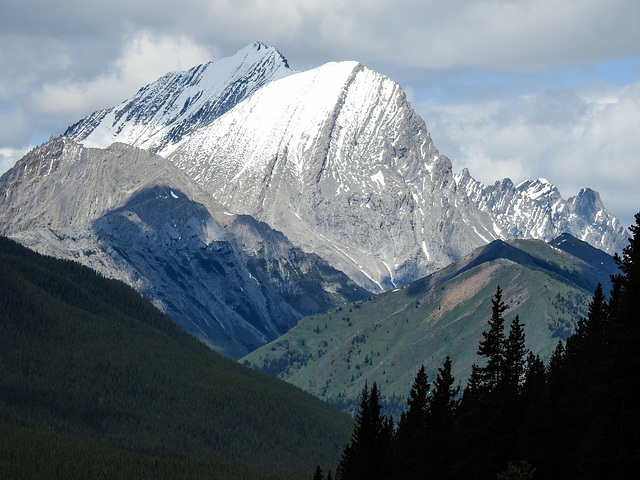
(9, 156)
(505, 35)
(145, 57)
(62, 61)
(574, 137)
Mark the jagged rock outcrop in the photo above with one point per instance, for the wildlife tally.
(535, 209)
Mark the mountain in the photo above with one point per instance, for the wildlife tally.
(180, 103)
(231, 281)
(387, 338)
(279, 190)
(337, 160)
(585, 252)
(535, 209)
(90, 358)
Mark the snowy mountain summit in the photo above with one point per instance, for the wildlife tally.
(180, 103)
(337, 160)
(535, 209)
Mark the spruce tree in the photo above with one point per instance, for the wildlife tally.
(489, 412)
(409, 443)
(625, 356)
(442, 409)
(492, 347)
(365, 457)
(515, 357)
(534, 411)
(318, 474)
(559, 411)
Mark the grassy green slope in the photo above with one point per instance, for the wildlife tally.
(90, 357)
(387, 338)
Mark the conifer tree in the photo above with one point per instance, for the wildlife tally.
(492, 347)
(409, 445)
(444, 400)
(558, 410)
(534, 411)
(318, 474)
(489, 410)
(365, 457)
(625, 310)
(442, 409)
(515, 357)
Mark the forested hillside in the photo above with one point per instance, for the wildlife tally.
(575, 417)
(387, 338)
(91, 358)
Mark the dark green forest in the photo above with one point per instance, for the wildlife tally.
(88, 365)
(97, 383)
(575, 417)
(41, 454)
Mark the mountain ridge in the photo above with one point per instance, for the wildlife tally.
(386, 339)
(536, 209)
(126, 213)
(333, 158)
(329, 153)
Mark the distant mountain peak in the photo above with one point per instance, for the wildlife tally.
(181, 103)
(261, 47)
(536, 209)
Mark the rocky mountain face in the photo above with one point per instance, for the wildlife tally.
(229, 280)
(273, 189)
(337, 160)
(535, 209)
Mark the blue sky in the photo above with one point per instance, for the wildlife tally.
(507, 88)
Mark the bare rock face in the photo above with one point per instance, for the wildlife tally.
(535, 209)
(134, 216)
(337, 160)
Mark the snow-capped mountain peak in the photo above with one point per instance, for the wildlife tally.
(336, 159)
(181, 103)
(536, 209)
(270, 183)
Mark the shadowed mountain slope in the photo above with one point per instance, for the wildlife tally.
(89, 357)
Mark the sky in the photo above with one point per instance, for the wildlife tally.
(508, 88)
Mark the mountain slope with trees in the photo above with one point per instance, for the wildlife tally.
(90, 357)
(575, 417)
(386, 339)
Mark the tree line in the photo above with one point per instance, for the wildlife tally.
(518, 418)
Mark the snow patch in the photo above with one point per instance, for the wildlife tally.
(424, 249)
(378, 178)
